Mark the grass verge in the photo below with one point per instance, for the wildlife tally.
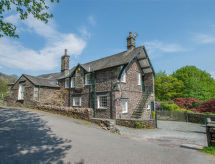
(208, 150)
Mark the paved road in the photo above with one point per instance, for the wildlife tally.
(39, 137)
(170, 133)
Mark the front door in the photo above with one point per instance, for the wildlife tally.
(143, 84)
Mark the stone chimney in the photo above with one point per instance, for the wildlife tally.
(130, 41)
(65, 63)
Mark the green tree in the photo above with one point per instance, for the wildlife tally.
(37, 8)
(198, 84)
(168, 87)
(3, 88)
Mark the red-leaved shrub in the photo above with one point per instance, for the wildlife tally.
(208, 106)
(187, 103)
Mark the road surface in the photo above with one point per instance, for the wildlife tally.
(30, 136)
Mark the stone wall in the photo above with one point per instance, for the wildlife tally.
(132, 123)
(12, 97)
(80, 113)
(46, 95)
(183, 116)
(50, 96)
(133, 92)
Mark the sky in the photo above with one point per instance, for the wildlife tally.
(175, 33)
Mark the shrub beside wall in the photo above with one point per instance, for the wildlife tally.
(132, 123)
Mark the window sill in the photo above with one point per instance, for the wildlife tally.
(76, 105)
(124, 112)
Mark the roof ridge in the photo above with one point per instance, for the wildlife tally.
(38, 77)
(127, 51)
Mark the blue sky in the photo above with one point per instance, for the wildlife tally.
(175, 33)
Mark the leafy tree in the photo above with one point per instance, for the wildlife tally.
(160, 74)
(3, 88)
(168, 87)
(37, 8)
(198, 84)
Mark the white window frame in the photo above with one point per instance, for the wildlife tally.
(66, 83)
(72, 82)
(73, 99)
(123, 77)
(87, 79)
(99, 102)
(21, 91)
(139, 78)
(36, 93)
(124, 105)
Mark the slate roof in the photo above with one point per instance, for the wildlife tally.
(121, 58)
(39, 81)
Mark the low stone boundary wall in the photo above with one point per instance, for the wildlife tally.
(133, 123)
(183, 116)
(82, 113)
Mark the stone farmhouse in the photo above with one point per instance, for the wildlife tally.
(117, 86)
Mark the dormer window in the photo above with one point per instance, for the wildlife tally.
(88, 79)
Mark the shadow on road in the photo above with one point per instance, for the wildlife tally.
(25, 138)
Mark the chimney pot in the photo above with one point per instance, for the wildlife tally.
(130, 41)
(65, 52)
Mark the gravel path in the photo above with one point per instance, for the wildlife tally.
(40, 137)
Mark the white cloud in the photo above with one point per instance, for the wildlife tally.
(165, 47)
(213, 74)
(157, 47)
(204, 38)
(84, 32)
(14, 55)
(91, 20)
(14, 19)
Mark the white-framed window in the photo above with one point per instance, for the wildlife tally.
(123, 77)
(138, 78)
(21, 91)
(72, 82)
(76, 101)
(124, 105)
(102, 101)
(88, 79)
(36, 93)
(66, 83)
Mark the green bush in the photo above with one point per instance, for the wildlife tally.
(172, 107)
(139, 125)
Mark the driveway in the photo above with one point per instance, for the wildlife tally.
(40, 137)
(171, 134)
